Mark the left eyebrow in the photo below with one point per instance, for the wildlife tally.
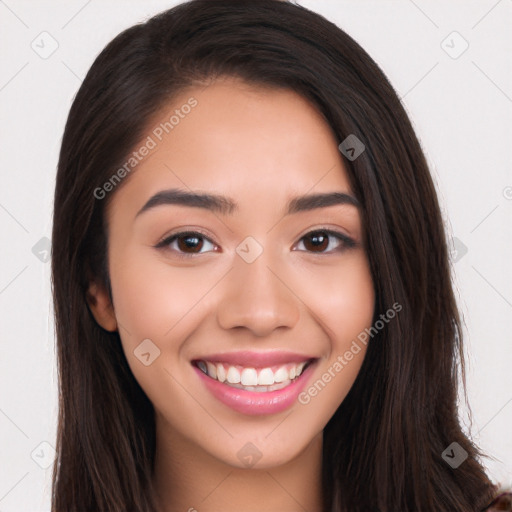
(226, 205)
(313, 201)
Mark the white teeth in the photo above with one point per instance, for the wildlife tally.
(233, 375)
(266, 377)
(212, 369)
(281, 375)
(262, 389)
(221, 373)
(249, 377)
(253, 379)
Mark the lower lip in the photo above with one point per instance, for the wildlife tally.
(253, 402)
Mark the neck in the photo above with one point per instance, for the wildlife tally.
(188, 479)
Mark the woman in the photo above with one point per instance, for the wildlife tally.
(252, 289)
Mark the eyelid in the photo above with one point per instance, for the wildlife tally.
(184, 231)
(347, 241)
(167, 240)
(328, 229)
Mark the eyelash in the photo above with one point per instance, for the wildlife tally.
(345, 241)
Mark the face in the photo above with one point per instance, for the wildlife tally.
(235, 250)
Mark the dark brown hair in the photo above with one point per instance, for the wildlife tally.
(383, 446)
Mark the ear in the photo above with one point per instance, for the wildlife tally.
(101, 307)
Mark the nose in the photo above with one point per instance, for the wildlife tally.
(257, 298)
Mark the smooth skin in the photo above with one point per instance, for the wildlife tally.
(260, 147)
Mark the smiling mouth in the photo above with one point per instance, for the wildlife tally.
(262, 380)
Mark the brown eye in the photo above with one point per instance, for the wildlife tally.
(187, 243)
(317, 241)
(190, 243)
(325, 241)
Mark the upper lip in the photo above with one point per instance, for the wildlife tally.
(256, 359)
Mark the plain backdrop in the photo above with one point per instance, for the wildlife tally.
(450, 63)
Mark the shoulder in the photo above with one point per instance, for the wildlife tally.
(502, 503)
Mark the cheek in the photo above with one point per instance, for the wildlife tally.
(150, 297)
(341, 297)
(156, 302)
(342, 301)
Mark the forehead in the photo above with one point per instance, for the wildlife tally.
(239, 140)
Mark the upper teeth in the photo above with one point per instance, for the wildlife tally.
(251, 376)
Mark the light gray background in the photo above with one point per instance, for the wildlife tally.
(461, 109)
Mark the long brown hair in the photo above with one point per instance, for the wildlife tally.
(383, 447)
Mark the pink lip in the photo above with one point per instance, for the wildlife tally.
(250, 359)
(253, 402)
